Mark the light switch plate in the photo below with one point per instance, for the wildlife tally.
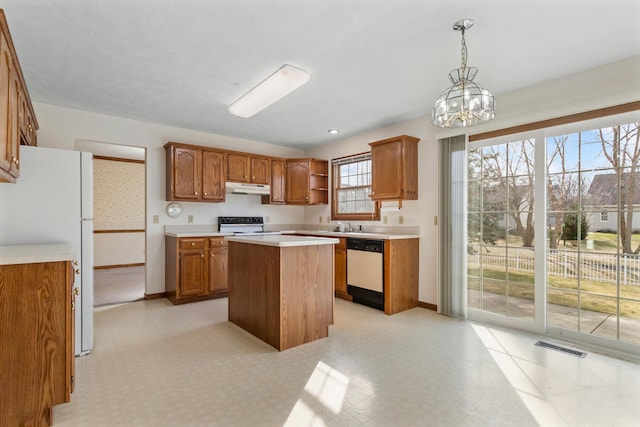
(156, 219)
(190, 219)
(267, 219)
(401, 219)
(385, 219)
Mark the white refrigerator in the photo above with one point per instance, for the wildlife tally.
(52, 202)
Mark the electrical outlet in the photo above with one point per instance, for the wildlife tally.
(190, 219)
(435, 220)
(267, 219)
(385, 219)
(328, 220)
(320, 219)
(401, 219)
(156, 219)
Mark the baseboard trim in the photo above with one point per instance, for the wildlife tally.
(155, 296)
(105, 267)
(428, 306)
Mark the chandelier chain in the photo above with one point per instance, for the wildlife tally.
(464, 51)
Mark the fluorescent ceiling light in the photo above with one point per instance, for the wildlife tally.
(279, 84)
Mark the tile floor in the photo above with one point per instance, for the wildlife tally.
(156, 364)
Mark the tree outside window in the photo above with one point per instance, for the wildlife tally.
(351, 179)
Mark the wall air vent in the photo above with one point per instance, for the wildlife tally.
(550, 346)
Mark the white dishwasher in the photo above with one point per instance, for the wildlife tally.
(365, 271)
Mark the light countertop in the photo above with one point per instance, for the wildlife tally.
(29, 254)
(193, 231)
(283, 240)
(355, 234)
(212, 231)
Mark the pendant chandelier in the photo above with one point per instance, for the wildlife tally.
(466, 103)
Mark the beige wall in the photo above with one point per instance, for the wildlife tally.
(118, 195)
(118, 204)
(59, 127)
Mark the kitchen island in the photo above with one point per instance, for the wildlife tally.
(281, 287)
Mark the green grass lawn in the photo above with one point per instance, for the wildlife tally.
(595, 296)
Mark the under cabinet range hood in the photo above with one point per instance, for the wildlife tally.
(245, 188)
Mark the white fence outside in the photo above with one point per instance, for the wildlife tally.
(598, 267)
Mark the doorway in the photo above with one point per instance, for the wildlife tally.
(119, 190)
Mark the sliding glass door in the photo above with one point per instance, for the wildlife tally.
(554, 230)
(593, 204)
(500, 251)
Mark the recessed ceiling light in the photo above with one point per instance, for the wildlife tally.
(334, 131)
(279, 84)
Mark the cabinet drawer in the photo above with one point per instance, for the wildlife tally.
(192, 244)
(218, 242)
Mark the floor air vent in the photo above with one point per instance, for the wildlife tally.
(576, 353)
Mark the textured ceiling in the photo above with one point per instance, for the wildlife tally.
(372, 62)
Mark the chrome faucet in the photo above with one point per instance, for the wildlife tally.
(349, 227)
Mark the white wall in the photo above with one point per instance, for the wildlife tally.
(419, 213)
(605, 86)
(60, 127)
(601, 87)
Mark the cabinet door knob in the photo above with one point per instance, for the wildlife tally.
(253, 177)
(205, 194)
(196, 193)
(193, 243)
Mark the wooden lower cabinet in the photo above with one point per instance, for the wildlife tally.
(196, 268)
(401, 274)
(340, 260)
(37, 364)
(218, 281)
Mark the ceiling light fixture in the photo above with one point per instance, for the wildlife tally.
(279, 84)
(334, 131)
(466, 103)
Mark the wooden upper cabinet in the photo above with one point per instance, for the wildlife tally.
(17, 119)
(246, 168)
(186, 171)
(297, 182)
(278, 179)
(260, 168)
(213, 176)
(394, 168)
(238, 167)
(194, 174)
(307, 181)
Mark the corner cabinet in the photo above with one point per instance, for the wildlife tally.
(196, 268)
(307, 182)
(37, 341)
(394, 169)
(18, 123)
(194, 174)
